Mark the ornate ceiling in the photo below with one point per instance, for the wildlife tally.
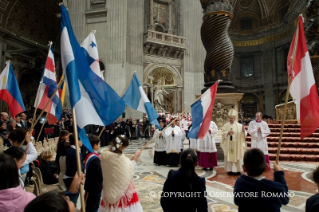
(263, 14)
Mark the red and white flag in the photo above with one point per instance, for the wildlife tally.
(303, 87)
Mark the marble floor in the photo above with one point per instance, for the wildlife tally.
(149, 180)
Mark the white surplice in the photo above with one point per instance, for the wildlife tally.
(160, 142)
(173, 144)
(259, 139)
(207, 144)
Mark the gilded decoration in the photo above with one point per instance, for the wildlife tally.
(220, 114)
(264, 40)
(291, 112)
(164, 75)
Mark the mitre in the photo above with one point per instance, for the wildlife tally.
(232, 113)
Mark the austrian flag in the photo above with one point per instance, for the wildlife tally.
(303, 87)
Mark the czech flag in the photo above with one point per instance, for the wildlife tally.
(10, 92)
(135, 98)
(202, 111)
(47, 87)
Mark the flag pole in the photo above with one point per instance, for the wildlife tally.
(41, 80)
(41, 128)
(78, 162)
(43, 110)
(128, 84)
(287, 95)
(180, 115)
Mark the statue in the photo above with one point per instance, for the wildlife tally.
(159, 96)
(220, 114)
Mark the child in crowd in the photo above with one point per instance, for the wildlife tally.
(119, 193)
(19, 156)
(48, 168)
(63, 137)
(312, 204)
(12, 195)
(186, 181)
(266, 195)
(16, 138)
(70, 160)
(94, 179)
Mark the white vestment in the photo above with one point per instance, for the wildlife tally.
(233, 146)
(259, 139)
(207, 144)
(194, 144)
(160, 142)
(173, 143)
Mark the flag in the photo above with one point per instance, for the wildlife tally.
(303, 87)
(89, 48)
(62, 91)
(94, 101)
(202, 111)
(135, 98)
(10, 92)
(47, 87)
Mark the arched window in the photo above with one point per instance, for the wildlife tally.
(247, 66)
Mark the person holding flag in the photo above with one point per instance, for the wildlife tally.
(233, 144)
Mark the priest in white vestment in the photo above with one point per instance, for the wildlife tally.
(233, 144)
(173, 136)
(259, 131)
(160, 147)
(207, 157)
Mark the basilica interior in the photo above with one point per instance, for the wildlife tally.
(182, 47)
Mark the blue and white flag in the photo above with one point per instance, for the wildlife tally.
(89, 47)
(136, 99)
(94, 101)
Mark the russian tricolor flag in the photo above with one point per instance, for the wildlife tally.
(10, 92)
(135, 98)
(202, 111)
(47, 87)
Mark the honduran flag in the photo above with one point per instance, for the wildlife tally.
(46, 89)
(93, 100)
(202, 111)
(135, 98)
(10, 92)
(303, 87)
(89, 48)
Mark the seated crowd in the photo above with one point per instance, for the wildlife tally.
(108, 179)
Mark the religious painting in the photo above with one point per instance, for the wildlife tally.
(160, 13)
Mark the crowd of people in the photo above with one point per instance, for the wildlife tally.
(108, 177)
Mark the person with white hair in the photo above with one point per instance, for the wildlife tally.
(233, 144)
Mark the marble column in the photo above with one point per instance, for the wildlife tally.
(151, 23)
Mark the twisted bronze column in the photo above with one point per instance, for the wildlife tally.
(218, 45)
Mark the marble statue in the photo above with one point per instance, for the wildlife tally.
(159, 96)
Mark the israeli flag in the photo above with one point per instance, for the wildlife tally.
(95, 102)
(89, 48)
(135, 98)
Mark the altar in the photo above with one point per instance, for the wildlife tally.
(292, 112)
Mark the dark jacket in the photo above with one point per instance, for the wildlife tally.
(312, 204)
(176, 182)
(47, 170)
(71, 165)
(93, 176)
(265, 198)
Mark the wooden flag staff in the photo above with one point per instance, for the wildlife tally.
(41, 128)
(129, 82)
(78, 163)
(287, 95)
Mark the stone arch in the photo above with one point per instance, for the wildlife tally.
(282, 96)
(176, 74)
(28, 83)
(250, 105)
